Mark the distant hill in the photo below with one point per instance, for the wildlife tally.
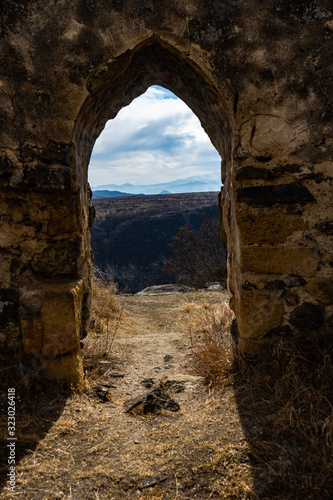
(195, 184)
(111, 194)
(131, 235)
(165, 192)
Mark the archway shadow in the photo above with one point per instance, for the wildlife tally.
(284, 402)
(37, 408)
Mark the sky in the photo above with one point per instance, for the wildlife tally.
(155, 139)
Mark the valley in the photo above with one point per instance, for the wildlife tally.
(130, 235)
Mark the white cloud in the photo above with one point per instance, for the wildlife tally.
(155, 139)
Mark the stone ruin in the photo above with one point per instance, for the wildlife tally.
(257, 75)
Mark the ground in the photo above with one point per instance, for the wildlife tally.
(237, 440)
(82, 447)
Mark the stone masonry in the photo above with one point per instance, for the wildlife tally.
(257, 75)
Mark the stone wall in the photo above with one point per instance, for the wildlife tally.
(256, 74)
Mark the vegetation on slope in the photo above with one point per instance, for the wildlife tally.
(198, 256)
(131, 236)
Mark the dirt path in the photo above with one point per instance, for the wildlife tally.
(83, 448)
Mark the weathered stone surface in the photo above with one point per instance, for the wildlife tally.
(62, 257)
(9, 304)
(294, 281)
(63, 222)
(307, 316)
(68, 367)
(68, 67)
(51, 319)
(325, 227)
(266, 196)
(168, 289)
(45, 178)
(275, 285)
(6, 168)
(264, 135)
(321, 289)
(10, 335)
(245, 173)
(255, 322)
(270, 260)
(265, 228)
(290, 297)
(55, 153)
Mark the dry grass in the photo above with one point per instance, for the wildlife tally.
(285, 401)
(212, 347)
(107, 312)
(297, 375)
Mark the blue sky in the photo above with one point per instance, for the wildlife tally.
(155, 139)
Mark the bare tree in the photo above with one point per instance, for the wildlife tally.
(199, 255)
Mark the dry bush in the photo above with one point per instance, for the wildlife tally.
(212, 345)
(106, 313)
(104, 303)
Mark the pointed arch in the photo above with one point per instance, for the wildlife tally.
(152, 62)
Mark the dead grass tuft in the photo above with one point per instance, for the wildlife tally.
(104, 302)
(212, 347)
(107, 312)
(187, 308)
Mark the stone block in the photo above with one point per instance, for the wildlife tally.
(249, 172)
(274, 227)
(46, 178)
(51, 319)
(61, 319)
(68, 368)
(277, 260)
(62, 222)
(266, 196)
(270, 135)
(258, 313)
(60, 257)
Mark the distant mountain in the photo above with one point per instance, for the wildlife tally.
(194, 184)
(165, 192)
(111, 194)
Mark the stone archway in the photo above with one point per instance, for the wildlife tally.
(69, 68)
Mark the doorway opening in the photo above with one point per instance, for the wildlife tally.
(157, 144)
